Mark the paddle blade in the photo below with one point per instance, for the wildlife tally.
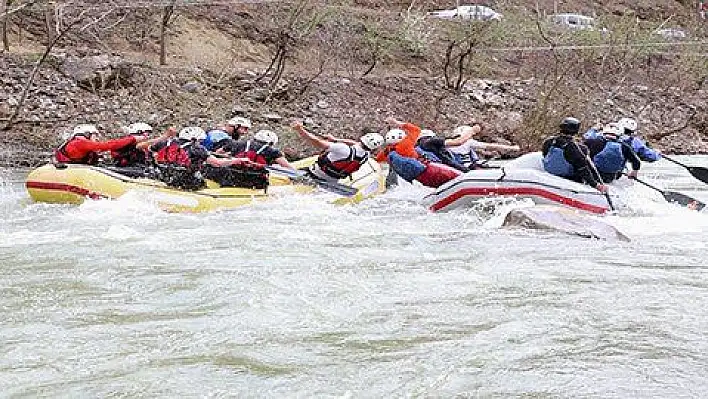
(699, 173)
(336, 188)
(683, 199)
(298, 176)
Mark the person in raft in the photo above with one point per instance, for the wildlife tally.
(341, 157)
(137, 155)
(403, 158)
(261, 149)
(466, 153)
(563, 156)
(82, 145)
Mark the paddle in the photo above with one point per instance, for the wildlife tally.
(303, 177)
(698, 172)
(673, 196)
(599, 178)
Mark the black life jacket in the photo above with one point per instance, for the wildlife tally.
(246, 175)
(254, 154)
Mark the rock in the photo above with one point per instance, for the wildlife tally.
(237, 109)
(97, 72)
(272, 117)
(191, 87)
(562, 220)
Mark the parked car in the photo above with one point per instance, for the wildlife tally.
(671, 33)
(574, 21)
(470, 12)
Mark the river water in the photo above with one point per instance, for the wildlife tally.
(296, 297)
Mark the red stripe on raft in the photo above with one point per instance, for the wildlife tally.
(64, 187)
(483, 191)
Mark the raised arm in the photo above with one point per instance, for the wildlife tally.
(170, 132)
(314, 140)
(498, 147)
(340, 140)
(467, 133)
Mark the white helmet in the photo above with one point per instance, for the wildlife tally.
(426, 133)
(613, 129)
(84, 130)
(628, 124)
(372, 141)
(394, 136)
(139, 128)
(239, 121)
(266, 136)
(192, 133)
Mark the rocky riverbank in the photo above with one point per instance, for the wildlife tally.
(113, 92)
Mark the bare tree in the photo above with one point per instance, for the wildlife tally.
(62, 26)
(458, 54)
(4, 6)
(167, 13)
(301, 23)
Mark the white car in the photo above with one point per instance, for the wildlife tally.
(574, 21)
(473, 12)
(671, 33)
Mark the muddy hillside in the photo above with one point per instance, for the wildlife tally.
(345, 66)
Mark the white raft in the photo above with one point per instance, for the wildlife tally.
(521, 178)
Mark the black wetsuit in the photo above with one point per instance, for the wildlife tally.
(576, 154)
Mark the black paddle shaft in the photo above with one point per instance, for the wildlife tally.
(303, 177)
(698, 172)
(673, 196)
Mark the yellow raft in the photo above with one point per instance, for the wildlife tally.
(75, 183)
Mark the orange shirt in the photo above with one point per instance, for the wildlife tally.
(405, 147)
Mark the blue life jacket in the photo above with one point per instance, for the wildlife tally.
(555, 163)
(639, 146)
(429, 155)
(213, 137)
(610, 159)
(592, 133)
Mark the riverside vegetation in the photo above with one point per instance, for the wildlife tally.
(343, 66)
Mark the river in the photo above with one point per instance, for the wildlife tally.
(295, 297)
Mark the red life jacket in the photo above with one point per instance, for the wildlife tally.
(437, 174)
(174, 153)
(253, 154)
(344, 167)
(129, 156)
(60, 154)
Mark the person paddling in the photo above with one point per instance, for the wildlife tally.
(340, 157)
(82, 145)
(564, 157)
(181, 159)
(261, 149)
(137, 154)
(628, 135)
(610, 155)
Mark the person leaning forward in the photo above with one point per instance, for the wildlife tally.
(563, 156)
(341, 157)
